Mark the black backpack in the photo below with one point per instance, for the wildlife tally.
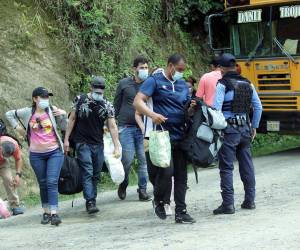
(3, 130)
(199, 152)
(70, 179)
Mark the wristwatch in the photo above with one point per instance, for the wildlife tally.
(19, 174)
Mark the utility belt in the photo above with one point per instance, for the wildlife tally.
(238, 120)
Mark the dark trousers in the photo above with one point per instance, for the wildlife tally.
(161, 179)
(153, 173)
(237, 143)
(90, 158)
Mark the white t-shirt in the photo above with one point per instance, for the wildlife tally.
(147, 120)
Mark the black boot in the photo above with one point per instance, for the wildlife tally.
(184, 218)
(122, 191)
(160, 211)
(55, 220)
(91, 207)
(248, 205)
(143, 196)
(224, 210)
(46, 219)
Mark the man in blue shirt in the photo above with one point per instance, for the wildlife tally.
(236, 96)
(170, 94)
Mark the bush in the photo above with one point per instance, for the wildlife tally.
(104, 36)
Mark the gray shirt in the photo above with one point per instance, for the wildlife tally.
(123, 102)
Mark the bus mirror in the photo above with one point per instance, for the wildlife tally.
(218, 32)
(206, 24)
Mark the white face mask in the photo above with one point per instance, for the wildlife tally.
(177, 76)
(143, 74)
(44, 103)
(97, 96)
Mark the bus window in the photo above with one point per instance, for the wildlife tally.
(287, 31)
(245, 38)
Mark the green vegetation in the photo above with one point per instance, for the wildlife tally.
(104, 36)
(272, 143)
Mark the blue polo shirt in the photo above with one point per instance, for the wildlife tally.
(169, 99)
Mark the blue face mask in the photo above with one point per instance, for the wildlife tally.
(44, 103)
(177, 76)
(97, 96)
(143, 74)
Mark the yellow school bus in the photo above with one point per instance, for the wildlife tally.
(264, 35)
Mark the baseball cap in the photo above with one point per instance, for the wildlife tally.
(227, 60)
(98, 82)
(41, 91)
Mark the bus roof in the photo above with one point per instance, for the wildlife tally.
(229, 4)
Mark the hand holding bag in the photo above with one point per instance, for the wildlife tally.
(114, 165)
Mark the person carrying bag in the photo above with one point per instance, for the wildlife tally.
(170, 94)
(160, 147)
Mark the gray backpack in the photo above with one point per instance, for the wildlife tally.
(204, 136)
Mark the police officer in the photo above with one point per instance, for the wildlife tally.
(236, 96)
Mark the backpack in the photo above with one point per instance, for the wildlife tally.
(204, 136)
(3, 130)
(70, 179)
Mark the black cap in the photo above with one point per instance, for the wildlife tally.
(42, 92)
(227, 60)
(215, 61)
(98, 82)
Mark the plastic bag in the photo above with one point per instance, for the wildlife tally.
(114, 165)
(160, 148)
(4, 212)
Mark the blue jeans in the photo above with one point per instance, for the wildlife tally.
(132, 141)
(90, 158)
(237, 145)
(47, 168)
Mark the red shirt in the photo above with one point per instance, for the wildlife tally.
(17, 152)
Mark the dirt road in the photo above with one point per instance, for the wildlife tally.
(130, 224)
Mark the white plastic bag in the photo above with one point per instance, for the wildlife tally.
(160, 148)
(114, 165)
(4, 212)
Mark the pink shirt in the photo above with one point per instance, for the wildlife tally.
(42, 135)
(207, 86)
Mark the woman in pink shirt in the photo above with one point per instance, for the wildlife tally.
(45, 146)
(208, 82)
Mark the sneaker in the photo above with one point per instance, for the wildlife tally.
(160, 211)
(224, 210)
(46, 219)
(143, 196)
(184, 218)
(17, 211)
(91, 207)
(122, 191)
(248, 205)
(168, 210)
(55, 220)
